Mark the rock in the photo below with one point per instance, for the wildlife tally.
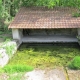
(54, 74)
(35, 75)
(11, 44)
(4, 58)
(4, 76)
(73, 74)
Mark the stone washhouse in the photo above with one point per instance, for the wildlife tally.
(42, 25)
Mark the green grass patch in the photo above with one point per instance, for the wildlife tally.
(44, 56)
(75, 63)
(17, 68)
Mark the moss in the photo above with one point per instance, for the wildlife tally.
(44, 56)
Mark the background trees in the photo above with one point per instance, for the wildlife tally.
(8, 8)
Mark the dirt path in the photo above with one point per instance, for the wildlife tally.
(55, 74)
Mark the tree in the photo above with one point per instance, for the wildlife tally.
(8, 8)
(0, 8)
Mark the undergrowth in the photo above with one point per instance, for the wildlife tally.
(14, 72)
(16, 76)
(76, 14)
(18, 68)
(44, 56)
(75, 63)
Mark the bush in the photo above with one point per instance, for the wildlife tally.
(75, 63)
(76, 14)
(17, 68)
(52, 3)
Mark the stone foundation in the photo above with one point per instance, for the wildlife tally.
(4, 55)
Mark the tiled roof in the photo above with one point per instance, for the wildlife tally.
(42, 18)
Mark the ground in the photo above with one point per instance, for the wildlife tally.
(57, 73)
(45, 55)
(46, 74)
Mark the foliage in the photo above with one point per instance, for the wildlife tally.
(75, 63)
(9, 8)
(16, 76)
(76, 14)
(5, 35)
(44, 56)
(11, 75)
(1, 70)
(17, 68)
(70, 3)
(28, 2)
(47, 3)
(0, 8)
(51, 3)
(8, 47)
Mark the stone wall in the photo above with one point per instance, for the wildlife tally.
(6, 52)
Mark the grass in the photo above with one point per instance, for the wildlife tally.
(17, 68)
(39, 57)
(16, 76)
(75, 63)
(44, 56)
(14, 72)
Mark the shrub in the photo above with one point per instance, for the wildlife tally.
(17, 68)
(47, 3)
(75, 63)
(52, 3)
(76, 14)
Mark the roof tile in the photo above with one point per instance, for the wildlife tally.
(42, 18)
